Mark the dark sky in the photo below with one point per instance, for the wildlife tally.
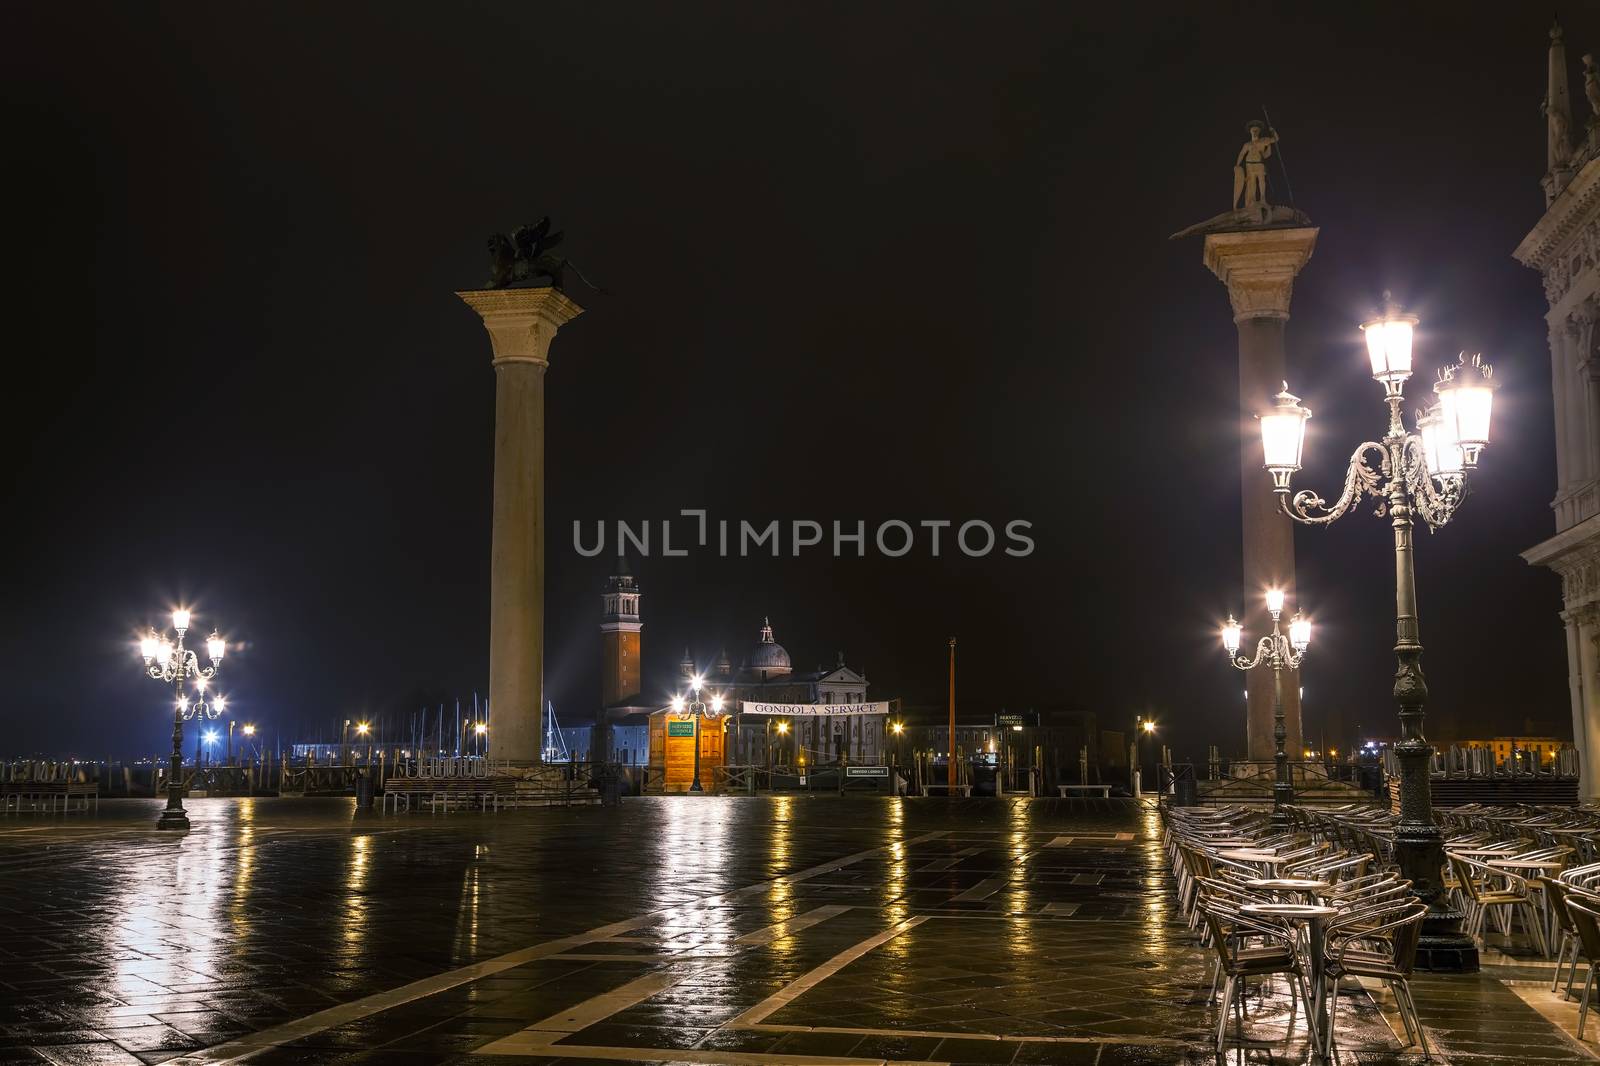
(863, 262)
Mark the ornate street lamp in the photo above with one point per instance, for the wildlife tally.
(1423, 473)
(1280, 653)
(696, 708)
(167, 660)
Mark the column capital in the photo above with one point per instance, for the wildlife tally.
(1259, 267)
(522, 322)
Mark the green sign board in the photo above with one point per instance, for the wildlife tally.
(680, 729)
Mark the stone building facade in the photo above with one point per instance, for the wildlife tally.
(1565, 248)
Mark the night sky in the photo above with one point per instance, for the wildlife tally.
(861, 262)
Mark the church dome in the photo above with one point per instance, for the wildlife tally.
(768, 657)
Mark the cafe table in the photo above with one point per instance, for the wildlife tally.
(1309, 887)
(1253, 857)
(1315, 917)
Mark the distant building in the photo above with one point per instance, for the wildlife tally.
(1565, 248)
(620, 634)
(1544, 748)
(765, 675)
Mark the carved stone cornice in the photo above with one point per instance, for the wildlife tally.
(1259, 267)
(1575, 207)
(1574, 554)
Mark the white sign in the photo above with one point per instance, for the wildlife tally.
(813, 710)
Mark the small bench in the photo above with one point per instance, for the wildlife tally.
(1064, 790)
(50, 796)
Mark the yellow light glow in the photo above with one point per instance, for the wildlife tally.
(480, 729)
(249, 730)
(1149, 726)
(783, 727)
(898, 727)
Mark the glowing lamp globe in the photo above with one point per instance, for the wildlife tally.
(1300, 634)
(216, 647)
(677, 703)
(1232, 634)
(1466, 397)
(164, 652)
(149, 646)
(1275, 601)
(716, 704)
(1283, 435)
(180, 619)
(1440, 448)
(1389, 345)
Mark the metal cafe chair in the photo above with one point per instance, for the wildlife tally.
(1479, 887)
(1386, 952)
(1585, 913)
(1230, 933)
(1556, 891)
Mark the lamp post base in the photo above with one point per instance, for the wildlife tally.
(173, 818)
(1444, 948)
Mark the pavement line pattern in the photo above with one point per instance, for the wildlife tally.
(946, 863)
(779, 930)
(946, 1034)
(702, 1055)
(247, 1047)
(981, 891)
(792, 991)
(601, 1007)
(1562, 1013)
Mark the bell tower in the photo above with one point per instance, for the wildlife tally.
(619, 637)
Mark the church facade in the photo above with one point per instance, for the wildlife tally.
(764, 673)
(1564, 247)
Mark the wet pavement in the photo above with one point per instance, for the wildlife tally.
(741, 931)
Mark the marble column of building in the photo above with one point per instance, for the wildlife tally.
(521, 324)
(1586, 725)
(1259, 267)
(1578, 690)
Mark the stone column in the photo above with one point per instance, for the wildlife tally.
(1578, 686)
(521, 324)
(1259, 267)
(1586, 733)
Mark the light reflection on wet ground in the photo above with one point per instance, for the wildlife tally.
(784, 929)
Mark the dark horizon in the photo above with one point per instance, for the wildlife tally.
(855, 269)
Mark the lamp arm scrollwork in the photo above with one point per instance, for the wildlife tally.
(1436, 499)
(1263, 655)
(1359, 478)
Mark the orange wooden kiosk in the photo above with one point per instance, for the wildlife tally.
(672, 751)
